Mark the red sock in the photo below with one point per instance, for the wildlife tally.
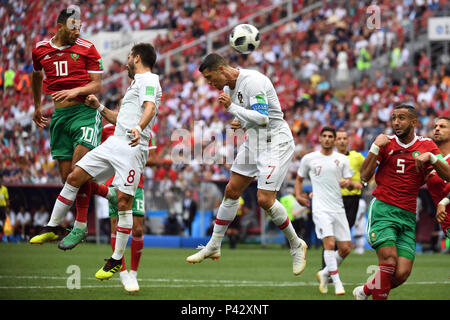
(137, 243)
(381, 289)
(82, 202)
(386, 272)
(113, 246)
(99, 189)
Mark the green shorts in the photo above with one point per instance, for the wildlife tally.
(138, 205)
(72, 126)
(389, 225)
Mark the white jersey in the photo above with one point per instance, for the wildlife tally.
(325, 173)
(255, 91)
(145, 87)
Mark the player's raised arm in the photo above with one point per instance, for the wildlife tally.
(370, 163)
(442, 167)
(36, 87)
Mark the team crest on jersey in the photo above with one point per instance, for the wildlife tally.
(336, 162)
(74, 56)
(415, 154)
(240, 97)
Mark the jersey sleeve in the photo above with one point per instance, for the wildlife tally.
(152, 143)
(257, 97)
(303, 168)
(94, 62)
(147, 91)
(36, 63)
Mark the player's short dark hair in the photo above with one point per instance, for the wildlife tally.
(212, 61)
(411, 110)
(68, 13)
(330, 129)
(147, 53)
(443, 118)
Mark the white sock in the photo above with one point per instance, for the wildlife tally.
(339, 259)
(80, 225)
(123, 233)
(63, 204)
(280, 218)
(225, 215)
(360, 242)
(331, 265)
(109, 195)
(133, 273)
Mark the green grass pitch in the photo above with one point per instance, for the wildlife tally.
(249, 272)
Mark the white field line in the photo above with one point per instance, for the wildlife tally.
(184, 283)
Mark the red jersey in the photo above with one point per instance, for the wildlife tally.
(66, 67)
(108, 131)
(397, 179)
(439, 189)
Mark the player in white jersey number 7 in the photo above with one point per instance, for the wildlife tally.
(265, 154)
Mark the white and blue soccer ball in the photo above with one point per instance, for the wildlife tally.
(244, 38)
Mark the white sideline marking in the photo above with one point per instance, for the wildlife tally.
(188, 283)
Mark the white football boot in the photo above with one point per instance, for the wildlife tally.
(205, 253)
(133, 285)
(359, 294)
(299, 258)
(322, 277)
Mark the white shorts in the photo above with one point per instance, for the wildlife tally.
(332, 224)
(269, 166)
(116, 157)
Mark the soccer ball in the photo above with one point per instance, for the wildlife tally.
(244, 38)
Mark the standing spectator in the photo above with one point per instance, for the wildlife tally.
(40, 219)
(189, 210)
(4, 202)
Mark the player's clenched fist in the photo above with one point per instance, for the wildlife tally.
(92, 101)
(225, 99)
(382, 140)
(236, 124)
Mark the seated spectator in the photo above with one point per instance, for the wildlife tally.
(40, 219)
(23, 223)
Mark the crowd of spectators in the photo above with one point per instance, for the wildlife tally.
(310, 60)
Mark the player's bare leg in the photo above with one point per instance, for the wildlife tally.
(227, 212)
(268, 201)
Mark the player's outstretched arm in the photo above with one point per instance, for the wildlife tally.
(36, 87)
(110, 116)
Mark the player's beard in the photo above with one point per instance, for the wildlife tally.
(131, 67)
(405, 132)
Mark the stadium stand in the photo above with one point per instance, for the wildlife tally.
(328, 67)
